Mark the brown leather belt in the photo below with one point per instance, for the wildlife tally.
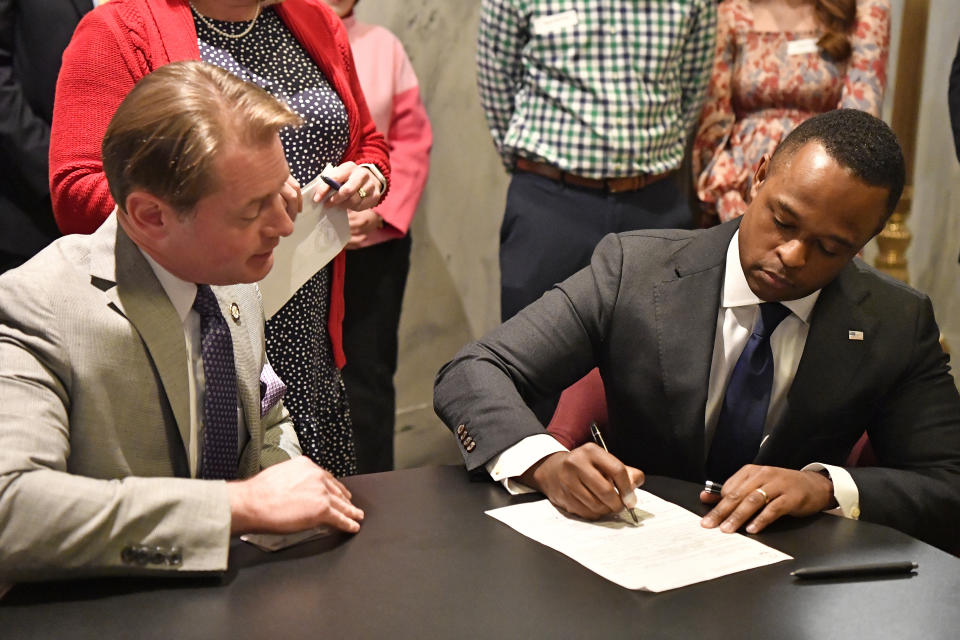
(610, 185)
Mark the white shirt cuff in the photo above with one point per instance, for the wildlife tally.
(513, 462)
(844, 490)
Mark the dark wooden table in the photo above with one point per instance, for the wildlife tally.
(428, 563)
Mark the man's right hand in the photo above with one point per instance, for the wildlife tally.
(291, 496)
(586, 482)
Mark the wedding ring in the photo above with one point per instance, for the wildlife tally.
(766, 498)
(361, 193)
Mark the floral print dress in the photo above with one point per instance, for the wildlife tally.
(765, 83)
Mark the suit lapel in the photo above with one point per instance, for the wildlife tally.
(686, 347)
(120, 270)
(829, 364)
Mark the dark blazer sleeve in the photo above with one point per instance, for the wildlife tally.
(540, 351)
(916, 435)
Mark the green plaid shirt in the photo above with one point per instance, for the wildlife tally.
(599, 88)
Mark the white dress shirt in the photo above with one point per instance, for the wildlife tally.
(739, 309)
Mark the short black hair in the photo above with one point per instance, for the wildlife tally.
(862, 143)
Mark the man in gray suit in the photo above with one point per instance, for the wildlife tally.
(106, 379)
(666, 315)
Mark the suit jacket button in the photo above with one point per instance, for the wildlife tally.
(471, 446)
(158, 555)
(460, 430)
(175, 559)
(128, 556)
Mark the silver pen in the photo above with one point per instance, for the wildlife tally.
(598, 438)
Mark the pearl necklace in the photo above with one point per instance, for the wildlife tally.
(215, 29)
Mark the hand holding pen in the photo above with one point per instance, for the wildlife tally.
(598, 438)
(351, 186)
(587, 481)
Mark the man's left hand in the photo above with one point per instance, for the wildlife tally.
(765, 494)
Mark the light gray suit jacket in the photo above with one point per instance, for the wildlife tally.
(645, 313)
(94, 416)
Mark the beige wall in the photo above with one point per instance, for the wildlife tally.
(453, 290)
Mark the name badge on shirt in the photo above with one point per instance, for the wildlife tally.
(802, 47)
(543, 25)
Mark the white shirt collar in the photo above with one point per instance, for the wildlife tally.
(737, 293)
(181, 293)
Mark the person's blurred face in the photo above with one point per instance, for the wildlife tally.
(230, 235)
(341, 7)
(808, 217)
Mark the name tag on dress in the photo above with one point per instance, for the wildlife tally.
(543, 25)
(802, 47)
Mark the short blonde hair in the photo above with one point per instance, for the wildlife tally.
(167, 132)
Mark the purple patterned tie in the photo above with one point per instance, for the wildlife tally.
(218, 458)
(744, 411)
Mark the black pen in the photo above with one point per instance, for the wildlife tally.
(855, 570)
(598, 438)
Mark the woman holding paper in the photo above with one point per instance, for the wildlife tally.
(378, 261)
(779, 62)
(298, 51)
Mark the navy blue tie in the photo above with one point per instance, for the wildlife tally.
(744, 411)
(218, 459)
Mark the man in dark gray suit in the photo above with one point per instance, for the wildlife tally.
(666, 315)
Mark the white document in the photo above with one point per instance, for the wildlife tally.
(319, 234)
(669, 548)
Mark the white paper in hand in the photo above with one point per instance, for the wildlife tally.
(319, 234)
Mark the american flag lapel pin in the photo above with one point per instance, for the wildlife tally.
(855, 335)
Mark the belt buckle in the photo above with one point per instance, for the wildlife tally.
(632, 183)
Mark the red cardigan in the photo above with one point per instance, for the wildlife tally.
(123, 40)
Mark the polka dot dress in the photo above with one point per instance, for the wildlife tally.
(298, 344)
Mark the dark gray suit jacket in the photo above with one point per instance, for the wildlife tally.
(645, 312)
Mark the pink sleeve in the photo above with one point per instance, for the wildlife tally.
(409, 140)
(393, 91)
